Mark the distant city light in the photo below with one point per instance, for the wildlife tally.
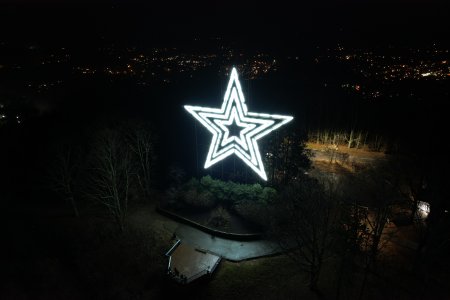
(234, 111)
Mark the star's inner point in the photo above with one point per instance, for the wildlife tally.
(235, 129)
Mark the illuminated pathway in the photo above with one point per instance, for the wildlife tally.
(228, 249)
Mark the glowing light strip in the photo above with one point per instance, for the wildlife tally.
(234, 110)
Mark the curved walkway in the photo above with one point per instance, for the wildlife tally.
(215, 232)
(229, 249)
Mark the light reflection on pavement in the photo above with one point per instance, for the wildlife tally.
(228, 249)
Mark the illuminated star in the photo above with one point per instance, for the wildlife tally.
(252, 127)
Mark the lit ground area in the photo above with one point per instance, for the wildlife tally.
(348, 158)
(362, 152)
(324, 167)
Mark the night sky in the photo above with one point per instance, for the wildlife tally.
(367, 21)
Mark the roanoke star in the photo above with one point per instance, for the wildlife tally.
(233, 113)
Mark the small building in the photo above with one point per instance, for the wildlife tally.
(187, 263)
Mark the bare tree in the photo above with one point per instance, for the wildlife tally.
(141, 143)
(305, 221)
(413, 173)
(349, 246)
(379, 187)
(370, 196)
(331, 151)
(62, 175)
(434, 240)
(111, 174)
(350, 139)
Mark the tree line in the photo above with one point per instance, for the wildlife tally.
(115, 167)
(353, 138)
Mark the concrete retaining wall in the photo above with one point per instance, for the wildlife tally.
(215, 232)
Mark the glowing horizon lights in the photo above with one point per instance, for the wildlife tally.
(234, 111)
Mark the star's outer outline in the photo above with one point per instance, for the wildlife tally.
(233, 109)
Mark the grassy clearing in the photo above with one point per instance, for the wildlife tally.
(266, 278)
